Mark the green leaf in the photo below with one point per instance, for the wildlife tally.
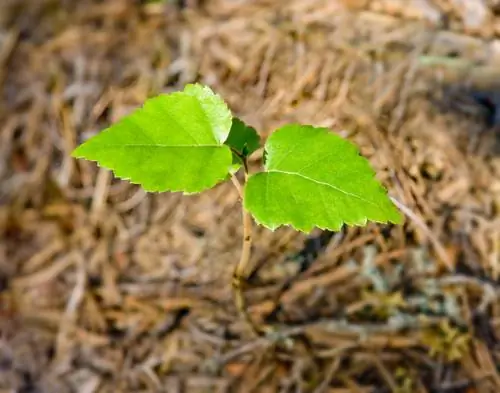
(243, 138)
(314, 178)
(173, 143)
(243, 141)
(215, 109)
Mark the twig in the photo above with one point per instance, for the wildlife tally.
(435, 242)
(357, 333)
(491, 292)
(237, 185)
(67, 324)
(323, 386)
(244, 349)
(9, 43)
(386, 374)
(240, 270)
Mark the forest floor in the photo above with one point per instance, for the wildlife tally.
(104, 288)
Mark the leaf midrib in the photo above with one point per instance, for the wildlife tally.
(322, 183)
(155, 145)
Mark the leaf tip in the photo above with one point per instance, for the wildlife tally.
(396, 217)
(78, 152)
(394, 213)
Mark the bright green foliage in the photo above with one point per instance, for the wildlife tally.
(243, 141)
(216, 110)
(188, 141)
(314, 178)
(174, 143)
(243, 138)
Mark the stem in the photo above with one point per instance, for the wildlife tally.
(237, 185)
(240, 275)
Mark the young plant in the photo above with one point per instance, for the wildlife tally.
(188, 142)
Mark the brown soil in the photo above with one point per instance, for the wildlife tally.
(106, 289)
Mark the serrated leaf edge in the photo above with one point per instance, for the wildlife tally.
(118, 175)
(274, 226)
(361, 223)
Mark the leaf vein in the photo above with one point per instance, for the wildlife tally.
(156, 145)
(324, 184)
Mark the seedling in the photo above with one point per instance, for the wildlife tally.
(189, 141)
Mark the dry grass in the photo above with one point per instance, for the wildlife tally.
(107, 289)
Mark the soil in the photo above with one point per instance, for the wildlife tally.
(104, 288)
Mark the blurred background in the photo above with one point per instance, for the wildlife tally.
(104, 288)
